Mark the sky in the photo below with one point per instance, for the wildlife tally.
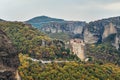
(77, 10)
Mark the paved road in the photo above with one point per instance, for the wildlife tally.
(42, 61)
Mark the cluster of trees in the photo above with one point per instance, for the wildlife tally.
(61, 35)
(30, 70)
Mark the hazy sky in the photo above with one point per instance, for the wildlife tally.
(85, 10)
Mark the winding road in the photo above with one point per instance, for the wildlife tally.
(45, 62)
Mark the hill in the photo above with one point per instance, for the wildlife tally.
(9, 60)
(33, 42)
(41, 20)
(70, 71)
(93, 32)
(101, 30)
(102, 37)
(103, 56)
(54, 27)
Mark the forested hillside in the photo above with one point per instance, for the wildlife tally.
(103, 53)
(103, 30)
(30, 70)
(102, 64)
(33, 42)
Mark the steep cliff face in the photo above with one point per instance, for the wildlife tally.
(93, 32)
(89, 37)
(9, 60)
(105, 30)
(53, 25)
(117, 42)
(108, 30)
(67, 26)
(78, 47)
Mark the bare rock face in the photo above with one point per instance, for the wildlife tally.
(78, 47)
(116, 42)
(9, 60)
(66, 26)
(90, 38)
(109, 29)
(104, 30)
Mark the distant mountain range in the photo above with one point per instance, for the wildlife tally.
(40, 20)
(57, 27)
(92, 32)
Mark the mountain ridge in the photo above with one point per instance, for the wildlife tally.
(39, 19)
(96, 30)
(31, 42)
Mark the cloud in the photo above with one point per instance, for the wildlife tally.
(66, 9)
(113, 6)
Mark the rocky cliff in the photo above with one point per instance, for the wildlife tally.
(66, 26)
(53, 25)
(108, 30)
(78, 48)
(104, 30)
(8, 58)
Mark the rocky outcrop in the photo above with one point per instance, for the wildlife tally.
(109, 29)
(89, 37)
(105, 30)
(9, 60)
(92, 32)
(78, 47)
(66, 26)
(116, 42)
(53, 25)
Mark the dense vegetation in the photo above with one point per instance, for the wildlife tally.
(33, 42)
(61, 36)
(30, 70)
(30, 42)
(103, 53)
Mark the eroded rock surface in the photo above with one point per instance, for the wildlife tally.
(78, 47)
(109, 29)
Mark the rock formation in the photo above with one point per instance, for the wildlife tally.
(90, 37)
(102, 30)
(74, 27)
(78, 47)
(9, 60)
(117, 42)
(109, 29)
(92, 32)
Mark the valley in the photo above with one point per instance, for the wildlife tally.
(59, 47)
